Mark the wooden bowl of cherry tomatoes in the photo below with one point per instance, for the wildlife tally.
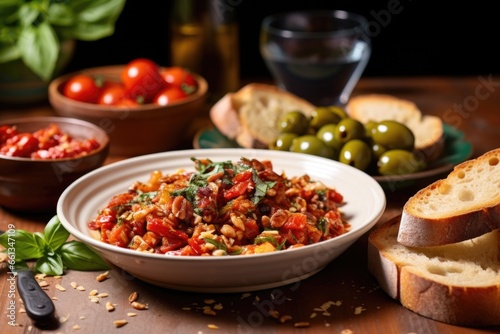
(144, 108)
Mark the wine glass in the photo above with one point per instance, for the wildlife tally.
(319, 55)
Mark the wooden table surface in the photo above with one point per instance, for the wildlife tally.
(342, 298)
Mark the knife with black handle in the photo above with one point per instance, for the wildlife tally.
(37, 303)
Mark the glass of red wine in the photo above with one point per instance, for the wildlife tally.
(318, 55)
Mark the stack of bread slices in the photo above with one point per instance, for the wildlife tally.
(441, 257)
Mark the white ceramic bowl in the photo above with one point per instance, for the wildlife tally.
(364, 197)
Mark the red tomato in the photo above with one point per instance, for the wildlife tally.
(238, 189)
(127, 103)
(7, 132)
(142, 79)
(112, 94)
(21, 145)
(119, 235)
(82, 88)
(180, 77)
(169, 95)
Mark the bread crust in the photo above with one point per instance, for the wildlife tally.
(251, 114)
(464, 306)
(416, 282)
(470, 219)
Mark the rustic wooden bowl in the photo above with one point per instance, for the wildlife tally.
(133, 131)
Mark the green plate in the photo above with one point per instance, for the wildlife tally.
(456, 150)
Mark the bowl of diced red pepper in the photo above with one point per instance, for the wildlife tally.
(41, 156)
(144, 108)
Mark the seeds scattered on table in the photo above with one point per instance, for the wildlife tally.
(120, 323)
(133, 297)
(102, 277)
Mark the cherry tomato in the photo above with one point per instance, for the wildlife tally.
(127, 103)
(7, 132)
(112, 94)
(180, 77)
(142, 79)
(82, 88)
(169, 95)
(21, 145)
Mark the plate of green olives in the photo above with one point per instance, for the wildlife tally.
(384, 150)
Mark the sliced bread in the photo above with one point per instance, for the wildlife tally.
(428, 129)
(250, 116)
(464, 205)
(457, 284)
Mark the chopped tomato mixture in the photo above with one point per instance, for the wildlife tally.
(46, 143)
(221, 208)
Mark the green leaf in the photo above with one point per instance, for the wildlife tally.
(9, 10)
(25, 245)
(94, 19)
(61, 15)
(9, 52)
(50, 265)
(20, 266)
(55, 234)
(29, 13)
(39, 48)
(78, 256)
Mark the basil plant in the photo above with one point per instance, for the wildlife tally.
(32, 30)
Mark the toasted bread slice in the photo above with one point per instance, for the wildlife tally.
(457, 284)
(250, 116)
(463, 206)
(427, 129)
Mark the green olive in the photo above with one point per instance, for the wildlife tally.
(398, 162)
(327, 134)
(310, 144)
(322, 116)
(356, 153)
(294, 122)
(283, 142)
(339, 111)
(348, 129)
(393, 135)
(378, 150)
(370, 128)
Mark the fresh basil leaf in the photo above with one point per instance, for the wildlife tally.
(9, 10)
(95, 19)
(55, 234)
(24, 244)
(20, 266)
(39, 49)
(60, 14)
(78, 256)
(29, 13)
(50, 265)
(99, 10)
(8, 52)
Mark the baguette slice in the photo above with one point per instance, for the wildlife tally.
(457, 284)
(428, 129)
(464, 205)
(250, 116)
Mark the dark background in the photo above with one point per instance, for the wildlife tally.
(413, 38)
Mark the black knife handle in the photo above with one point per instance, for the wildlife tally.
(37, 303)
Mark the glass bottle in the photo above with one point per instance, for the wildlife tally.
(205, 39)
